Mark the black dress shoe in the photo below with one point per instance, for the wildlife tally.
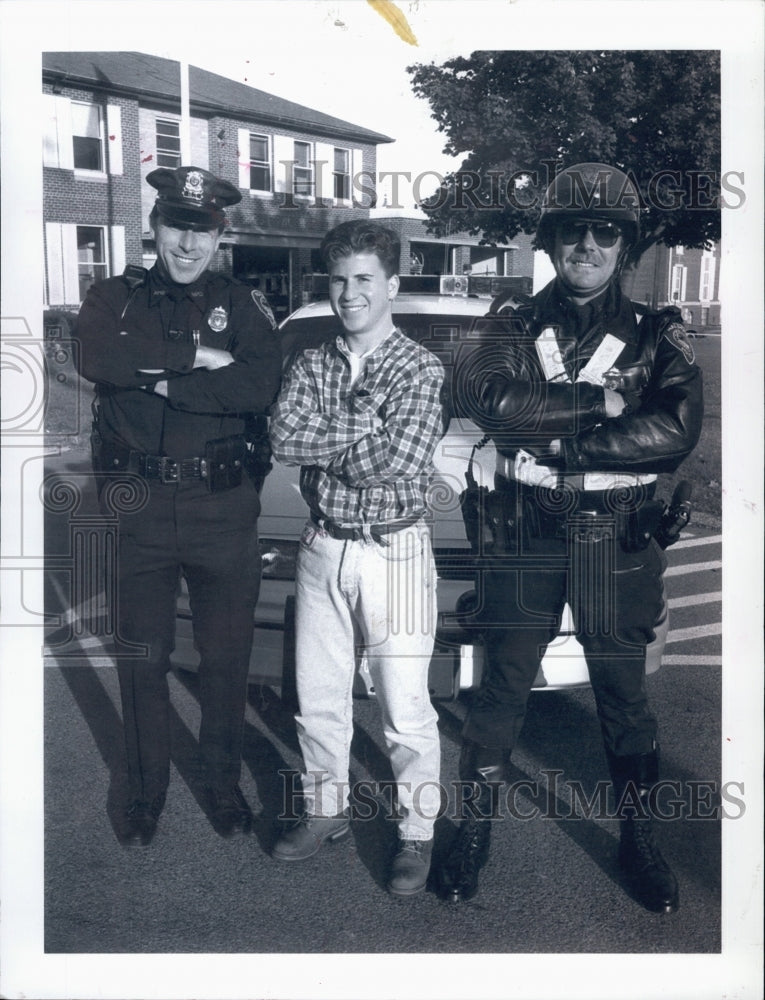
(141, 820)
(228, 810)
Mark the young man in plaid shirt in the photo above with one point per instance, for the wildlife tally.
(362, 416)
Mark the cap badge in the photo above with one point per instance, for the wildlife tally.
(193, 189)
(218, 319)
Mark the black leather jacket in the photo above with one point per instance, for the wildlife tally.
(502, 385)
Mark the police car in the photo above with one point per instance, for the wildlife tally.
(445, 324)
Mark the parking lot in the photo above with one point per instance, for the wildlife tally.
(552, 884)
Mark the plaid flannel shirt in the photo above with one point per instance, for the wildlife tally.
(365, 449)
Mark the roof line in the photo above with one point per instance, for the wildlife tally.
(100, 80)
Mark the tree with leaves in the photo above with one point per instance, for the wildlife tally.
(519, 117)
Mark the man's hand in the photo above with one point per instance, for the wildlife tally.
(615, 403)
(212, 358)
(161, 388)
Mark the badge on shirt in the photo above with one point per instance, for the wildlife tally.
(218, 319)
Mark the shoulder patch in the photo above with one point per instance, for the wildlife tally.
(676, 335)
(262, 303)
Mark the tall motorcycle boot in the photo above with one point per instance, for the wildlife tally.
(648, 875)
(481, 770)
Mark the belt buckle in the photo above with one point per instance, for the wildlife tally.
(168, 470)
(592, 526)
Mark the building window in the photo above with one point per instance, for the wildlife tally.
(679, 251)
(260, 163)
(87, 136)
(677, 291)
(302, 176)
(707, 277)
(168, 143)
(341, 175)
(91, 257)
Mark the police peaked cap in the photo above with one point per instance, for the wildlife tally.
(192, 197)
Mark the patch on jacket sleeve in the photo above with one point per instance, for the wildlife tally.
(262, 303)
(676, 335)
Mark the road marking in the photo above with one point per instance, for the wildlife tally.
(693, 599)
(692, 568)
(679, 660)
(686, 543)
(695, 632)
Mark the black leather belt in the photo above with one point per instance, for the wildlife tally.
(168, 470)
(376, 531)
(565, 501)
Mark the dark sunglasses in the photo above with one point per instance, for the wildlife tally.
(605, 234)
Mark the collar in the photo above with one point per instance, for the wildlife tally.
(612, 310)
(161, 288)
(342, 346)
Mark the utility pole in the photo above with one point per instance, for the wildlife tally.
(185, 116)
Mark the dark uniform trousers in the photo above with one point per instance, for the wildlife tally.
(211, 538)
(615, 598)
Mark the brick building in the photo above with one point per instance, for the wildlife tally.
(456, 253)
(112, 117)
(686, 278)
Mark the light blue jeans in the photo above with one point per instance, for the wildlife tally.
(356, 597)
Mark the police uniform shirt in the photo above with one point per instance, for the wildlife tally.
(131, 338)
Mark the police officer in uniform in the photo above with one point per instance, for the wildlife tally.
(182, 359)
(587, 396)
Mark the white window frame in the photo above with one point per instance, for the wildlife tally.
(308, 170)
(89, 171)
(246, 162)
(164, 152)
(345, 175)
(707, 274)
(678, 278)
(63, 264)
(100, 267)
(58, 137)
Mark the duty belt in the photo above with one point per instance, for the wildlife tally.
(376, 531)
(549, 478)
(156, 467)
(169, 470)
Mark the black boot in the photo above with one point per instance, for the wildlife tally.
(482, 768)
(649, 876)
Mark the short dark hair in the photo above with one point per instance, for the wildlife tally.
(362, 236)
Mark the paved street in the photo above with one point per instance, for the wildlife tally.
(551, 886)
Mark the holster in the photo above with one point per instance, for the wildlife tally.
(490, 520)
(96, 440)
(259, 452)
(225, 459)
(637, 527)
(96, 448)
